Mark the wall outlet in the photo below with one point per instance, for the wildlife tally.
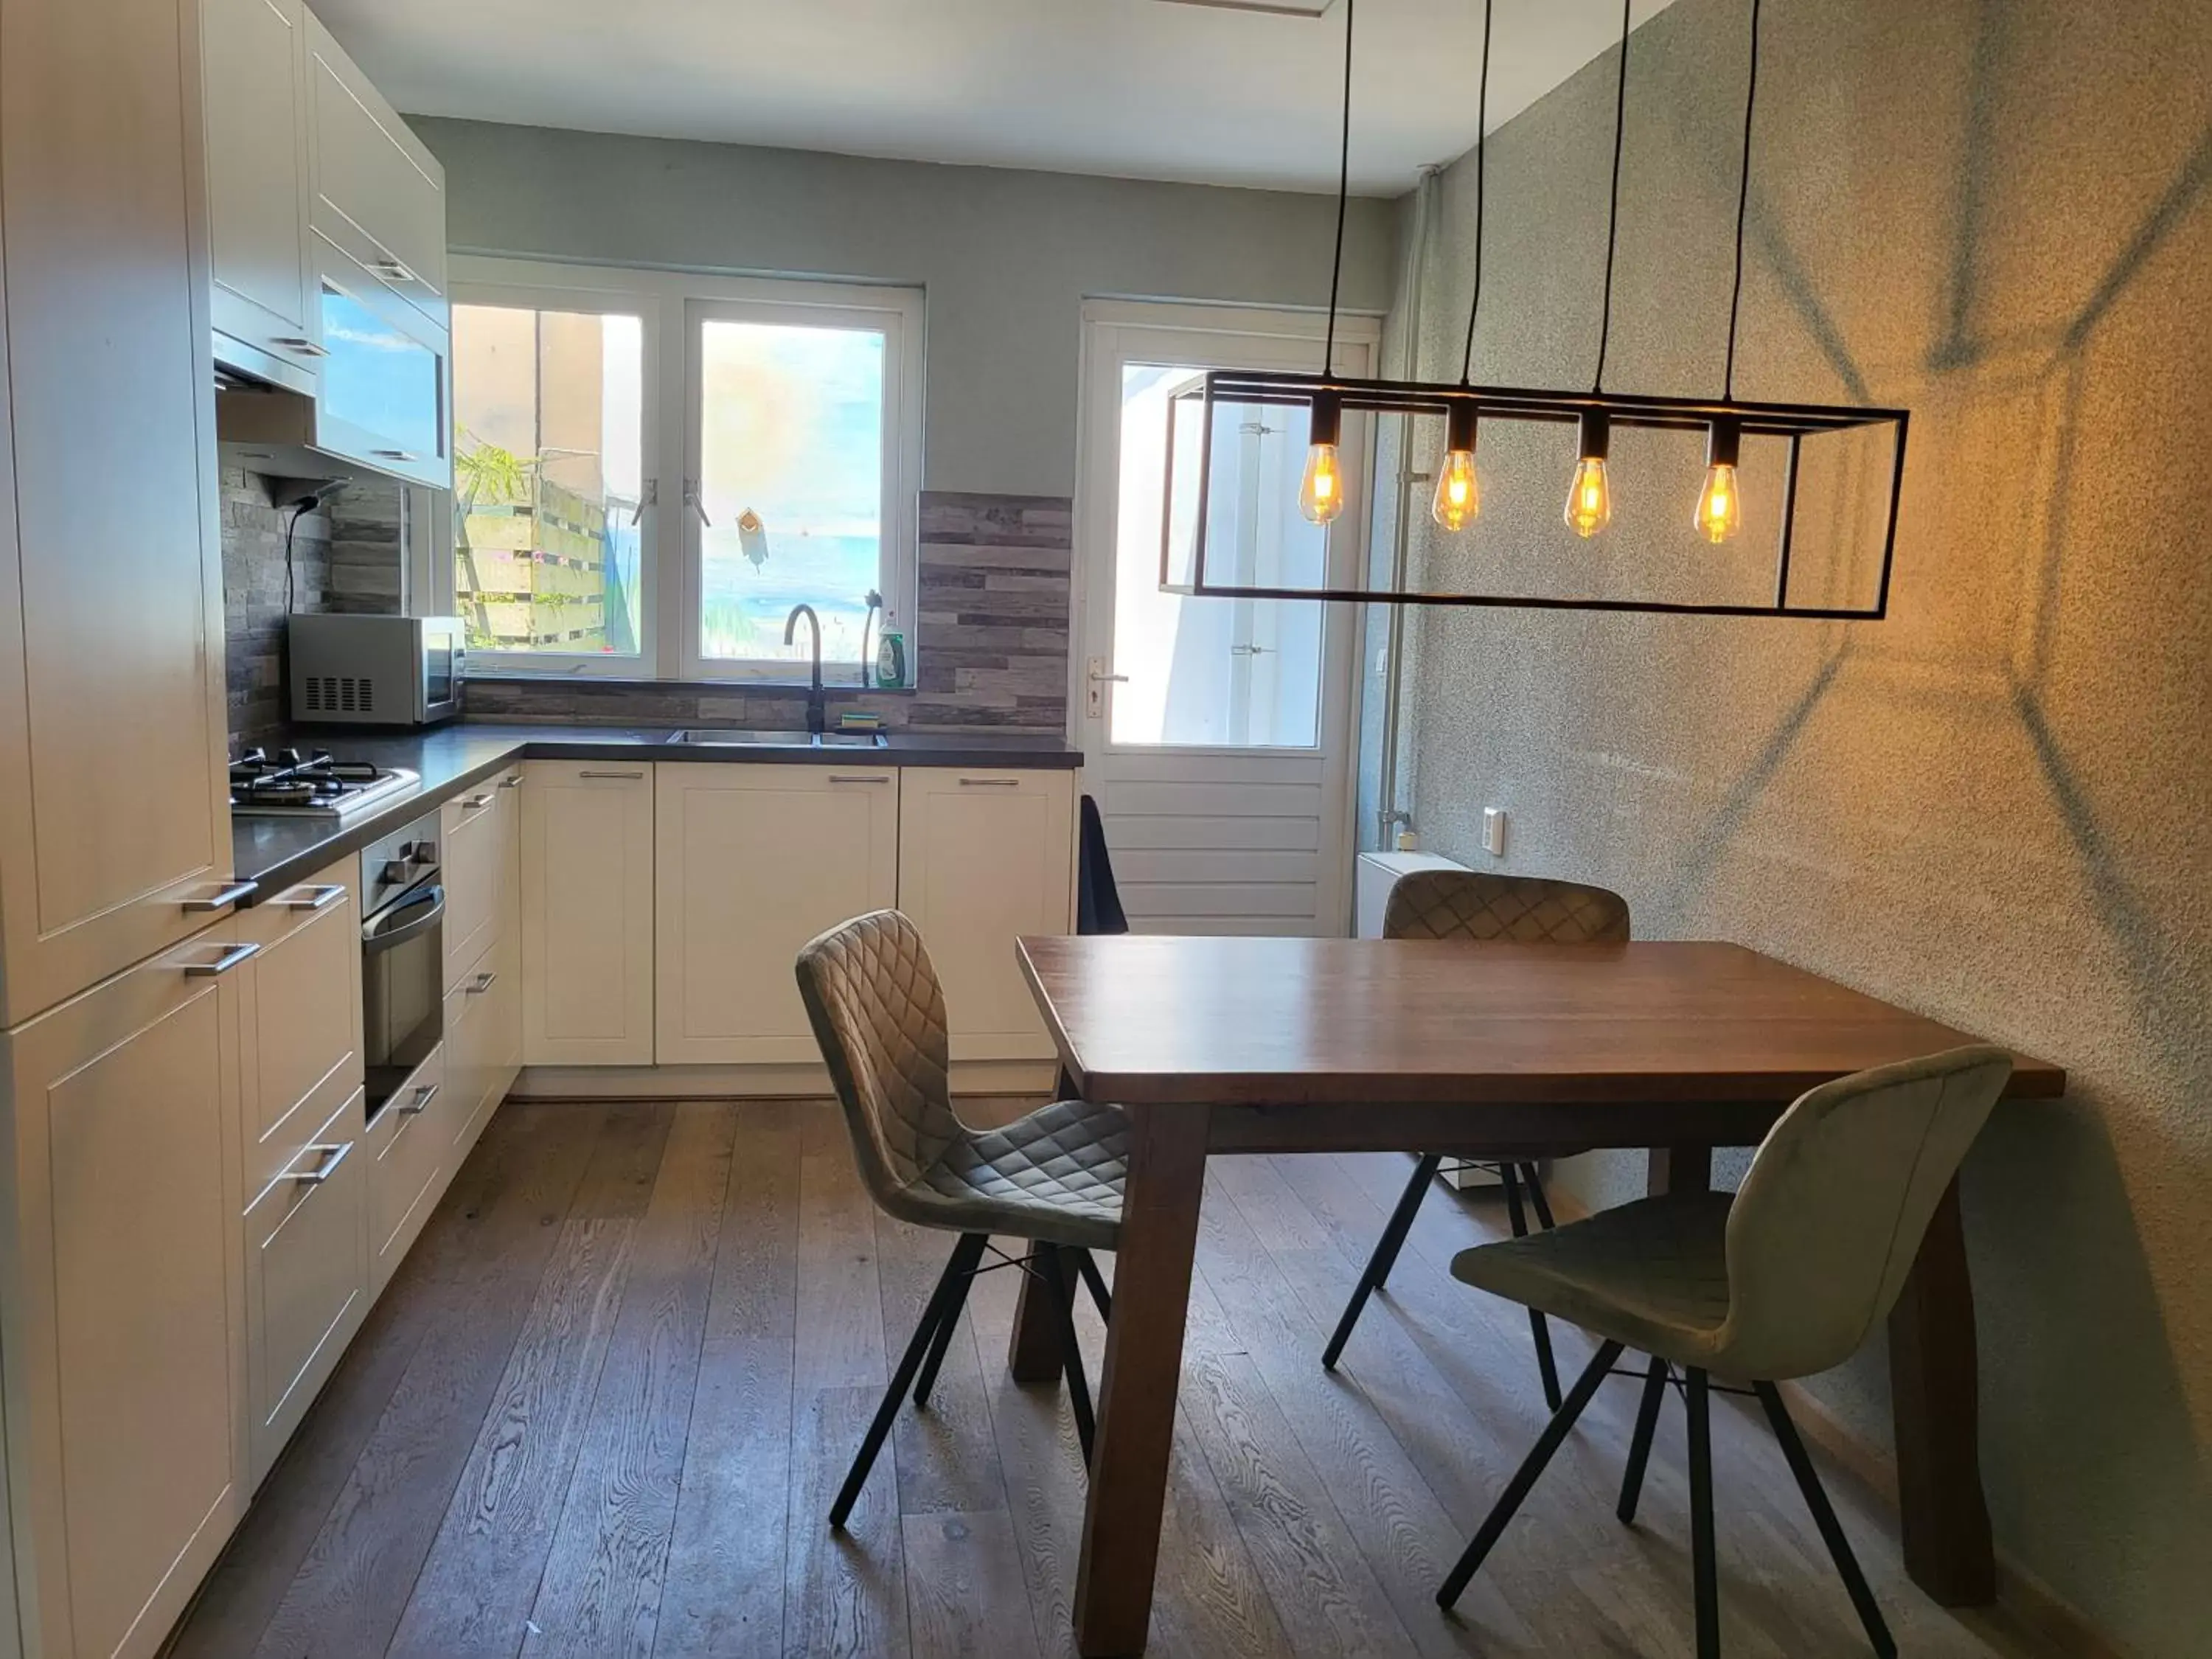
(1493, 831)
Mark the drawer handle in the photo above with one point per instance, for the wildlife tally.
(421, 1103)
(609, 774)
(990, 783)
(323, 897)
(514, 780)
(231, 957)
(395, 454)
(300, 344)
(482, 983)
(226, 897)
(849, 778)
(476, 802)
(331, 1157)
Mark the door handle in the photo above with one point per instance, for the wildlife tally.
(231, 957)
(332, 1156)
(323, 898)
(225, 897)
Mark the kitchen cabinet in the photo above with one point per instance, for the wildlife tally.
(306, 1279)
(11, 1628)
(302, 1010)
(255, 58)
(484, 981)
(111, 595)
(470, 860)
(985, 857)
(379, 193)
(483, 1040)
(587, 967)
(408, 1147)
(750, 862)
(120, 1322)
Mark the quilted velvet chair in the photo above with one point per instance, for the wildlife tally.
(1785, 1278)
(1473, 905)
(1053, 1177)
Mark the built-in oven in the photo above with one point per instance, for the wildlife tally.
(403, 956)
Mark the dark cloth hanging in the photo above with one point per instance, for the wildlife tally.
(1097, 901)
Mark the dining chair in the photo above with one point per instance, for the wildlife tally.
(1472, 904)
(1053, 1177)
(1785, 1278)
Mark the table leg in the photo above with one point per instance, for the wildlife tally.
(1680, 1169)
(1936, 1420)
(1033, 1354)
(1144, 1365)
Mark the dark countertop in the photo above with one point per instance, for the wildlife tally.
(278, 851)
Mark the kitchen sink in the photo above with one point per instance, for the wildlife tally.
(710, 736)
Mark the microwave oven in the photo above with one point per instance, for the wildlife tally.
(376, 671)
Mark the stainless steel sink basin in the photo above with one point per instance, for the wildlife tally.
(708, 737)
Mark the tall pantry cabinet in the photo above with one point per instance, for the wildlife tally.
(120, 1334)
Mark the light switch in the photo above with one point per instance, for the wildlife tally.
(1493, 831)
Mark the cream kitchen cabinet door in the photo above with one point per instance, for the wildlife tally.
(121, 1316)
(11, 1629)
(111, 575)
(254, 66)
(754, 861)
(302, 1012)
(473, 864)
(407, 1149)
(985, 857)
(379, 193)
(587, 914)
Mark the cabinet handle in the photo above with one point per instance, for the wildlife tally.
(609, 774)
(990, 783)
(514, 782)
(836, 777)
(395, 454)
(231, 957)
(324, 1169)
(421, 1103)
(392, 270)
(300, 344)
(323, 898)
(482, 982)
(225, 898)
(476, 802)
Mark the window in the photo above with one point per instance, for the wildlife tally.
(600, 525)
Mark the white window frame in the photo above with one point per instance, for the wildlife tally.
(671, 305)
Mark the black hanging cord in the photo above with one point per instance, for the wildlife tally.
(1612, 221)
(1481, 134)
(1343, 196)
(291, 528)
(1742, 201)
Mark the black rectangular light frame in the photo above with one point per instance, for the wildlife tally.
(1796, 422)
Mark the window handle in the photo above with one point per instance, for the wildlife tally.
(300, 344)
(692, 499)
(1249, 650)
(649, 496)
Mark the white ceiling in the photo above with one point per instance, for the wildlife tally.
(1139, 88)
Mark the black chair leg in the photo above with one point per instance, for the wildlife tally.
(1095, 1282)
(1540, 1328)
(1824, 1516)
(1385, 1257)
(943, 1338)
(1639, 1447)
(950, 1288)
(1703, 1569)
(1051, 1263)
(1524, 1479)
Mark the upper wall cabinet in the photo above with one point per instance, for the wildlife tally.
(111, 575)
(256, 57)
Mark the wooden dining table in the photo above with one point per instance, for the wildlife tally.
(1496, 1049)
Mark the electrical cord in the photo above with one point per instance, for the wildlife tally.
(1742, 201)
(1343, 196)
(298, 513)
(1613, 221)
(1481, 136)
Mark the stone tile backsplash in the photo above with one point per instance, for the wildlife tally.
(989, 638)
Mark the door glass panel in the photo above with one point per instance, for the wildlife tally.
(378, 378)
(1216, 672)
(791, 485)
(548, 417)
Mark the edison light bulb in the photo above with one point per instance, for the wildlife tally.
(1321, 496)
(1320, 493)
(1720, 509)
(1458, 499)
(1590, 502)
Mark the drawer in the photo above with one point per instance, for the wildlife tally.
(307, 1280)
(406, 1148)
(303, 1055)
(483, 1040)
(472, 866)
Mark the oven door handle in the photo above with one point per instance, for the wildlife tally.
(376, 937)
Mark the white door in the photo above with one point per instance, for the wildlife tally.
(1216, 732)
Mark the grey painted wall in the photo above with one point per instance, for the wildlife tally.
(1006, 257)
(1992, 807)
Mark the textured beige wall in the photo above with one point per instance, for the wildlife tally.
(1992, 807)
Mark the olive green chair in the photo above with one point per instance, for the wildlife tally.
(1785, 1278)
(1053, 1177)
(1472, 904)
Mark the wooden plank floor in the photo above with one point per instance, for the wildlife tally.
(604, 1404)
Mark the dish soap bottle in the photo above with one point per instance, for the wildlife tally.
(891, 660)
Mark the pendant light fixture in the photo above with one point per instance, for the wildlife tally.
(1791, 437)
